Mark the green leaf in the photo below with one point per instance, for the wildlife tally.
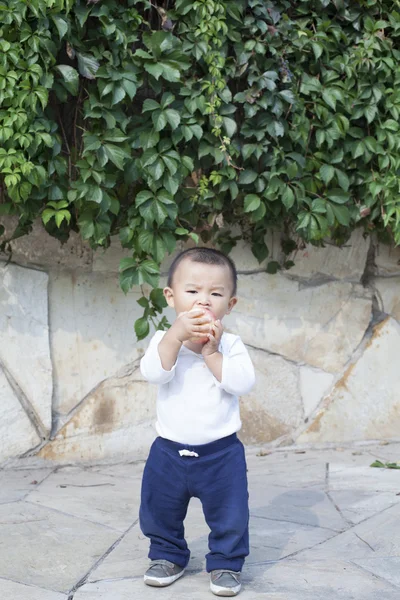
(288, 96)
(128, 278)
(130, 87)
(118, 95)
(229, 126)
(343, 180)
(127, 263)
(317, 49)
(173, 117)
(273, 267)
(338, 196)
(159, 120)
(329, 98)
(260, 251)
(117, 155)
(357, 149)
(247, 176)
(150, 104)
(143, 196)
(327, 172)
(288, 197)
(70, 78)
(370, 112)
(391, 124)
(87, 65)
(342, 214)
(61, 24)
(170, 73)
(154, 69)
(251, 202)
(158, 299)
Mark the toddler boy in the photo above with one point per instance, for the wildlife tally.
(200, 371)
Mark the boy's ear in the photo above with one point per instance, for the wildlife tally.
(169, 296)
(231, 304)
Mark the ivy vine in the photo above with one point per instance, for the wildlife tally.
(161, 120)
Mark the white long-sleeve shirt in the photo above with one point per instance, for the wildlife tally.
(193, 407)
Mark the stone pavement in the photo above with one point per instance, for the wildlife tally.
(324, 526)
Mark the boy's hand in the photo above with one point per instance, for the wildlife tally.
(214, 338)
(195, 323)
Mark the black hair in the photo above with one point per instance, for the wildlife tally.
(208, 256)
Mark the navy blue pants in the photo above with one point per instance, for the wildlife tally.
(218, 478)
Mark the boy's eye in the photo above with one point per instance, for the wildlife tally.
(216, 294)
(191, 292)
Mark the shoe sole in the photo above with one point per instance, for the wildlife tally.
(218, 590)
(162, 581)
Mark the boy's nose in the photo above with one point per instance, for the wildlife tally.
(203, 303)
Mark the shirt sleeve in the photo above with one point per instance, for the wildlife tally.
(151, 367)
(238, 375)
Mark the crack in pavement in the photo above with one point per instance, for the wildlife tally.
(84, 579)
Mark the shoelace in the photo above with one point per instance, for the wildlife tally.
(164, 564)
(220, 572)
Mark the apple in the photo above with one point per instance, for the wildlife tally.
(205, 339)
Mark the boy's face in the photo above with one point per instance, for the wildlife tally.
(198, 285)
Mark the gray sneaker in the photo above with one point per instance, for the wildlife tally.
(162, 573)
(225, 583)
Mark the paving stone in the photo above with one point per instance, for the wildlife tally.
(83, 494)
(131, 470)
(129, 558)
(332, 579)
(273, 540)
(358, 505)
(304, 506)
(363, 478)
(376, 537)
(388, 568)
(193, 587)
(15, 485)
(9, 590)
(42, 547)
(296, 553)
(284, 580)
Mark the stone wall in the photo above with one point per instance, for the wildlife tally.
(324, 337)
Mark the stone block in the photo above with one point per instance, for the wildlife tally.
(387, 260)
(117, 418)
(365, 402)
(17, 434)
(24, 332)
(92, 333)
(332, 262)
(273, 408)
(388, 291)
(314, 384)
(106, 260)
(319, 325)
(39, 249)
